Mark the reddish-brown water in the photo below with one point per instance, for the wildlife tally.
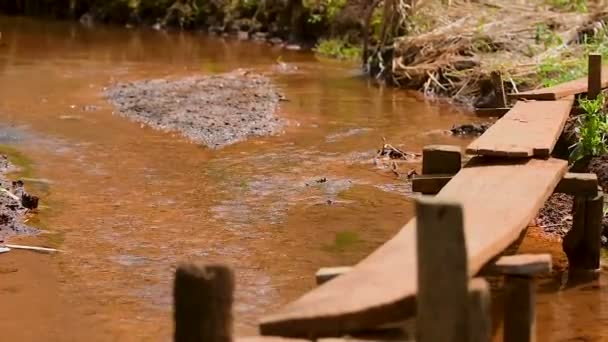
(127, 203)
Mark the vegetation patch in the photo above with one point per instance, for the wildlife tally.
(338, 48)
(591, 130)
(343, 240)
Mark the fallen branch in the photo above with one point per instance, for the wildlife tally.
(11, 195)
(33, 248)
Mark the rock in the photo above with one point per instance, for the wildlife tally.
(242, 35)
(87, 19)
(293, 47)
(260, 36)
(215, 29)
(29, 201)
(470, 129)
(276, 41)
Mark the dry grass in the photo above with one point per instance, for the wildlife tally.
(457, 46)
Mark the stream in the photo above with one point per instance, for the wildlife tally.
(128, 202)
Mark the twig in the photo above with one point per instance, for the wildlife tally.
(11, 195)
(33, 248)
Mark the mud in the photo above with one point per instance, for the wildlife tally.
(12, 212)
(555, 218)
(214, 110)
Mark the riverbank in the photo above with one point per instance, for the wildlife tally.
(294, 24)
(451, 51)
(13, 202)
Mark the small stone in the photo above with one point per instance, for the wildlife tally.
(242, 35)
(293, 47)
(259, 36)
(276, 41)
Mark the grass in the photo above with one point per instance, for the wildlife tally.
(572, 64)
(591, 129)
(18, 159)
(338, 48)
(569, 5)
(343, 240)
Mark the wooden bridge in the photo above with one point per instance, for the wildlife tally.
(428, 270)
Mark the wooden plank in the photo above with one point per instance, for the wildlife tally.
(529, 129)
(326, 274)
(572, 184)
(491, 112)
(443, 286)
(498, 200)
(559, 91)
(594, 76)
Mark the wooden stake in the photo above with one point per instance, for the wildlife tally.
(520, 316)
(429, 184)
(443, 300)
(583, 242)
(203, 297)
(594, 78)
(480, 316)
(499, 90)
(441, 159)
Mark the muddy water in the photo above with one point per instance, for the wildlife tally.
(128, 203)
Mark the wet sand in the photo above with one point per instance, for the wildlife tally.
(215, 110)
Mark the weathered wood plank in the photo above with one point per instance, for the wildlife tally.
(491, 112)
(498, 201)
(326, 274)
(559, 91)
(580, 184)
(528, 129)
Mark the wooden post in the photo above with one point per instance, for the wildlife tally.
(441, 159)
(480, 316)
(520, 293)
(499, 90)
(520, 316)
(582, 244)
(203, 297)
(594, 78)
(578, 184)
(443, 301)
(429, 184)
